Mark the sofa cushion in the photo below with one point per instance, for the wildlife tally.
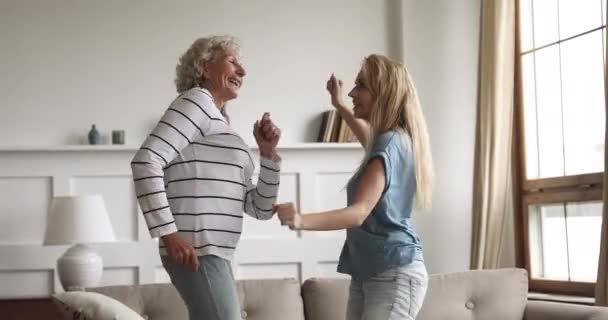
(488, 294)
(267, 299)
(325, 299)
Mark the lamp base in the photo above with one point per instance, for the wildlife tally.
(79, 267)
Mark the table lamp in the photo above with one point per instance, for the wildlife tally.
(78, 220)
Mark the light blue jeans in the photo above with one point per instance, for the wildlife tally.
(394, 294)
(209, 293)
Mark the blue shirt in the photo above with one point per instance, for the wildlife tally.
(387, 238)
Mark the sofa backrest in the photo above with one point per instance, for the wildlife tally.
(270, 299)
(488, 294)
(152, 301)
(325, 299)
(482, 294)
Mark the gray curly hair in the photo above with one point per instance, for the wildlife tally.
(188, 71)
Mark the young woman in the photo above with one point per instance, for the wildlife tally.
(382, 252)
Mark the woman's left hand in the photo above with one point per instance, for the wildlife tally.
(267, 136)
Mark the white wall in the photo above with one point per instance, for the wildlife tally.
(441, 49)
(66, 64)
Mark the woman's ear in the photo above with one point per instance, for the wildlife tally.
(203, 66)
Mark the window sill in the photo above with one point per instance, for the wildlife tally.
(539, 296)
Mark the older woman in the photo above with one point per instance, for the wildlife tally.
(193, 179)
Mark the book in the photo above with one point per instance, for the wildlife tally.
(335, 131)
(329, 127)
(333, 128)
(322, 127)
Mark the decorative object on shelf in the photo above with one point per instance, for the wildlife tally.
(94, 136)
(334, 129)
(118, 137)
(78, 220)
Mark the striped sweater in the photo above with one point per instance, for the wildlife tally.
(193, 174)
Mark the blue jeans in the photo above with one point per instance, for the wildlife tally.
(209, 293)
(394, 294)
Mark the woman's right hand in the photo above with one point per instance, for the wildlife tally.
(334, 87)
(180, 250)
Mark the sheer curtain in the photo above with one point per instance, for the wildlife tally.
(492, 183)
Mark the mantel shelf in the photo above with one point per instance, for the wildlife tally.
(133, 148)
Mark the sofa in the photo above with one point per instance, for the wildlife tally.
(488, 294)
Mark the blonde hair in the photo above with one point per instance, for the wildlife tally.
(397, 107)
(189, 70)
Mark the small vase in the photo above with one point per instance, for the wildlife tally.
(94, 136)
(118, 137)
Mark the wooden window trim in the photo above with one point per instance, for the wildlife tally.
(585, 181)
(585, 289)
(553, 286)
(560, 197)
(544, 190)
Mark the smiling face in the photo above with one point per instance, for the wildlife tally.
(363, 99)
(223, 76)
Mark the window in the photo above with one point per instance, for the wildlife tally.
(561, 121)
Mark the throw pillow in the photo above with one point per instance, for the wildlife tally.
(92, 306)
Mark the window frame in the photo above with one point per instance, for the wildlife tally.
(526, 192)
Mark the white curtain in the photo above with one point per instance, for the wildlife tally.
(492, 182)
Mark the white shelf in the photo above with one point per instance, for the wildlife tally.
(108, 147)
(67, 148)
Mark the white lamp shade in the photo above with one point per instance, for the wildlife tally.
(78, 219)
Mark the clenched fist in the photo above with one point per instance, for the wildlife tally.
(288, 215)
(267, 136)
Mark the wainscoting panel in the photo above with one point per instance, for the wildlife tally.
(119, 276)
(330, 193)
(161, 275)
(313, 176)
(24, 284)
(23, 203)
(268, 271)
(328, 270)
(256, 229)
